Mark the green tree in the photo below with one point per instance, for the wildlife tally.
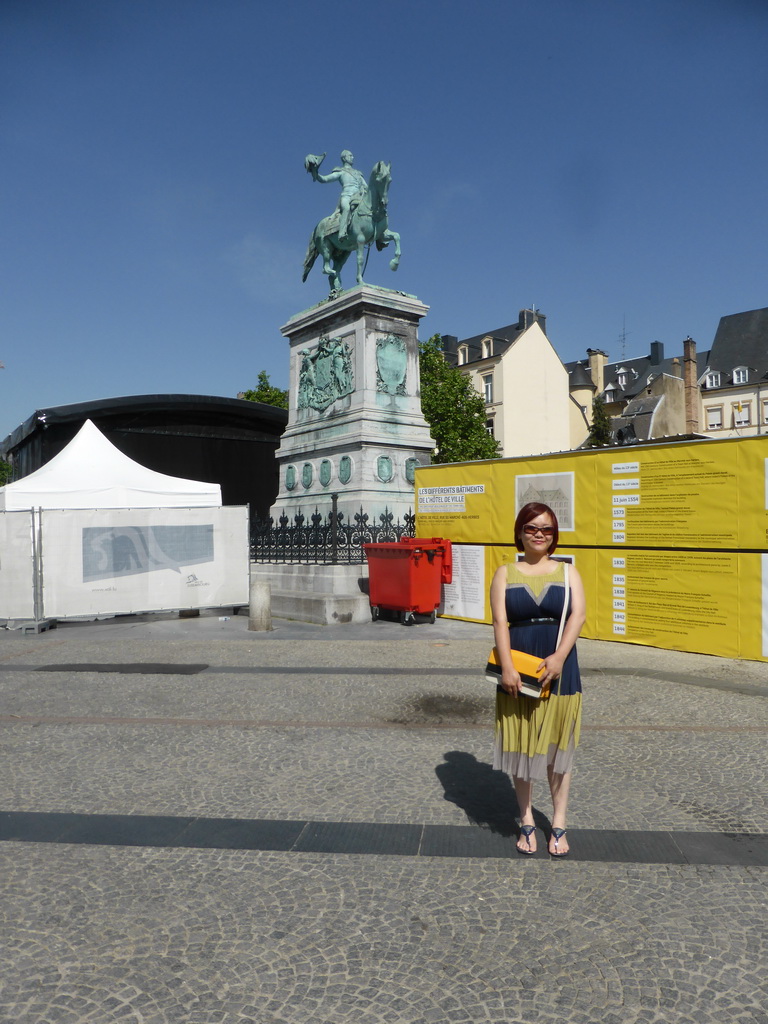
(600, 431)
(266, 393)
(5, 472)
(453, 408)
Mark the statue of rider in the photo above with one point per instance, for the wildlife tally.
(353, 185)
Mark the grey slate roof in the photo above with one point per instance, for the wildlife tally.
(503, 337)
(640, 368)
(741, 340)
(642, 405)
(580, 377)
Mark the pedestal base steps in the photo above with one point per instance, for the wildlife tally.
(327, 595)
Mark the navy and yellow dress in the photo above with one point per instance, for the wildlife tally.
(531, 733)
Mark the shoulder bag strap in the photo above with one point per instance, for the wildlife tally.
(566, 599)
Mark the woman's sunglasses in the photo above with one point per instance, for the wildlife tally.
(545, 531)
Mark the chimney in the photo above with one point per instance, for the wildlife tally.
(450, 349)
(677, 370)
(529, 317)
(691, 387)
(597, 361)
(657, 353)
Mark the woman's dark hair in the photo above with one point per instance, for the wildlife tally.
(529, 512)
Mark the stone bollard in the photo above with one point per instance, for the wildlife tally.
(260, 606)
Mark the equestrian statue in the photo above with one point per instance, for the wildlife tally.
(359, 219)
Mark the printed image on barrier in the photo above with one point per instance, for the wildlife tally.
(113, 551)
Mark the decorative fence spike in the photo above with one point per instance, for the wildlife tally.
(328, 539)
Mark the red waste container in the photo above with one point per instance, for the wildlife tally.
(406, 576)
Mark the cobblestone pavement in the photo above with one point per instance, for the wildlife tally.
(362, 735)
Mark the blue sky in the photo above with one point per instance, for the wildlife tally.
(604, 160)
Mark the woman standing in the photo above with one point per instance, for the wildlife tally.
(537, 738)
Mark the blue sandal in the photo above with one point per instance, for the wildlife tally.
(557, 835)
(526, 831)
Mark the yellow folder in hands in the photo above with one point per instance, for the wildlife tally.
(527, 665)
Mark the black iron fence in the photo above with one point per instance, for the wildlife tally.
(331, 538)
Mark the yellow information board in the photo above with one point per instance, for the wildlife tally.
(670, 539)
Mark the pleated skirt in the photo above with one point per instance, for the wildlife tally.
(532, 735)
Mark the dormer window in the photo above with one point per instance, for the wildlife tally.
(487, 347)
(463, 353)
(740, 375)
(621, 378)
(712, 380)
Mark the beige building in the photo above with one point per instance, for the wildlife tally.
(523, 382)
(734, 381)
(535, 404)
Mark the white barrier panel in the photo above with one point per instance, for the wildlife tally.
(125, 561)
(17, 599)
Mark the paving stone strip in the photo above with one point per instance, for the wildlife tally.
(410, 840)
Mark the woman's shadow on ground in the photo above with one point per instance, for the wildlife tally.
(486, 796)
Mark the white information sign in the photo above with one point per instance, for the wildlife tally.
(465, 596)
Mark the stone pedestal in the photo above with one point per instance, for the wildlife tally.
(328, 595)
(355, 426)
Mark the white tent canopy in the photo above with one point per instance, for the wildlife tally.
(92, 473)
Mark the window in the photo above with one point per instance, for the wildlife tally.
(765, 412)
(712, 380)
(621, 378)
(487, 347)
(463, 353)
(488, 387)
(740, 375)
(489, 426)
(741, 414)
(715, 418)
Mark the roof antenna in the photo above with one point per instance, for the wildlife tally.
(623, 338)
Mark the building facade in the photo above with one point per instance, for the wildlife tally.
(734, 380)
(535, 404)
(646, 397)
(718, 392)
(523, 383)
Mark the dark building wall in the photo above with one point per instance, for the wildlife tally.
(227, 441)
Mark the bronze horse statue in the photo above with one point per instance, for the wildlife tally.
(368, 224)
